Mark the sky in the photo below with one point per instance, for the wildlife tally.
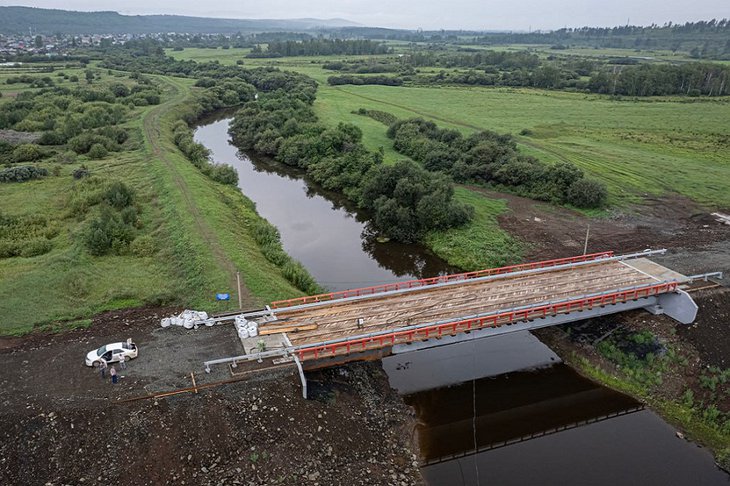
(425, 14)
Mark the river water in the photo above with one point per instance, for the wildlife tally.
(493, 412)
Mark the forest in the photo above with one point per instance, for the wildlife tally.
(705, 39)
(318, 47)
(618, 76)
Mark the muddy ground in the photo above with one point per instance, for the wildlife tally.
(14, 137)
(63, 424)
(696, 241)
(698, 347)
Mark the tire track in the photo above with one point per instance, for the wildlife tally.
(521, 140)
(152, 132)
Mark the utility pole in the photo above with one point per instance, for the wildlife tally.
(238, 292)
(585, 246)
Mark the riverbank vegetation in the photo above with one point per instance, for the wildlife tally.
(109, 223)
(406, 201)
(487, 157)
(652, 359)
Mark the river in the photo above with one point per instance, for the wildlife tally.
(498, 411)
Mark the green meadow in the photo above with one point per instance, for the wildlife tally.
(638, 146)
(652, 146)
(198, 233)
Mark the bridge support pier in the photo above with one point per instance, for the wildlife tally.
(677, 305)
(299, 367)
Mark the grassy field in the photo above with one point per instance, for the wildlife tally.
(636, 146)
(639, 147)
(200, 229)
(9, 91)
(653, 146)
(480, 244)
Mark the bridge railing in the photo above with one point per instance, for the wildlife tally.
(497, 319)
(425, 282)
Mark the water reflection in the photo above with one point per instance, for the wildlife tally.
(487, 421)
(320, 228)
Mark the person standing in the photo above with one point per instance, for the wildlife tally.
(102, 368)
(122, 362)
(113, 374)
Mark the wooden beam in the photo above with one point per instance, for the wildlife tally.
(266, 330)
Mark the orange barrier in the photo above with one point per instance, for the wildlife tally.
(424, 282)
(492, 320)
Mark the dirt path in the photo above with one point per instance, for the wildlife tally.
(153, 134)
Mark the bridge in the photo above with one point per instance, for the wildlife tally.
(370, 323)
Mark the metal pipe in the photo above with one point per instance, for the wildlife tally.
(704, 276)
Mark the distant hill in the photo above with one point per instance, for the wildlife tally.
(18, 20)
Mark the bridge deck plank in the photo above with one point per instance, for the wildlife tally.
(340, 319)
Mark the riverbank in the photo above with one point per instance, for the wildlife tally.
(276, 187)
(686, 385)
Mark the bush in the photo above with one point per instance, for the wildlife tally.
(81, 172)
(27, 152)
(587, 193)
(107, 233)
(22, 174)
(8, 249)
(130, 216)
(225, 174)
(144, 246)
(81, 144)
(205, 83)
(295, 273)
(382, 116)
(35, 247)
(363, 80)
(118, 195)
(97, 151)
(52, 138)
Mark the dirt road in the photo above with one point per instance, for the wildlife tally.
(63, 424)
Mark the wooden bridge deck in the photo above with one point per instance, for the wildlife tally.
(339, 319)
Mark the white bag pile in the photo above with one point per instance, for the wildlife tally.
(246, 328)
(188, 319)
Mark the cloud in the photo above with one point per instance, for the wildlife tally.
(427, 14)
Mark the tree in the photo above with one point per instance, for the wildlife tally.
(587, 193)
(38, 41)
(97, 151)
(27, 152)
